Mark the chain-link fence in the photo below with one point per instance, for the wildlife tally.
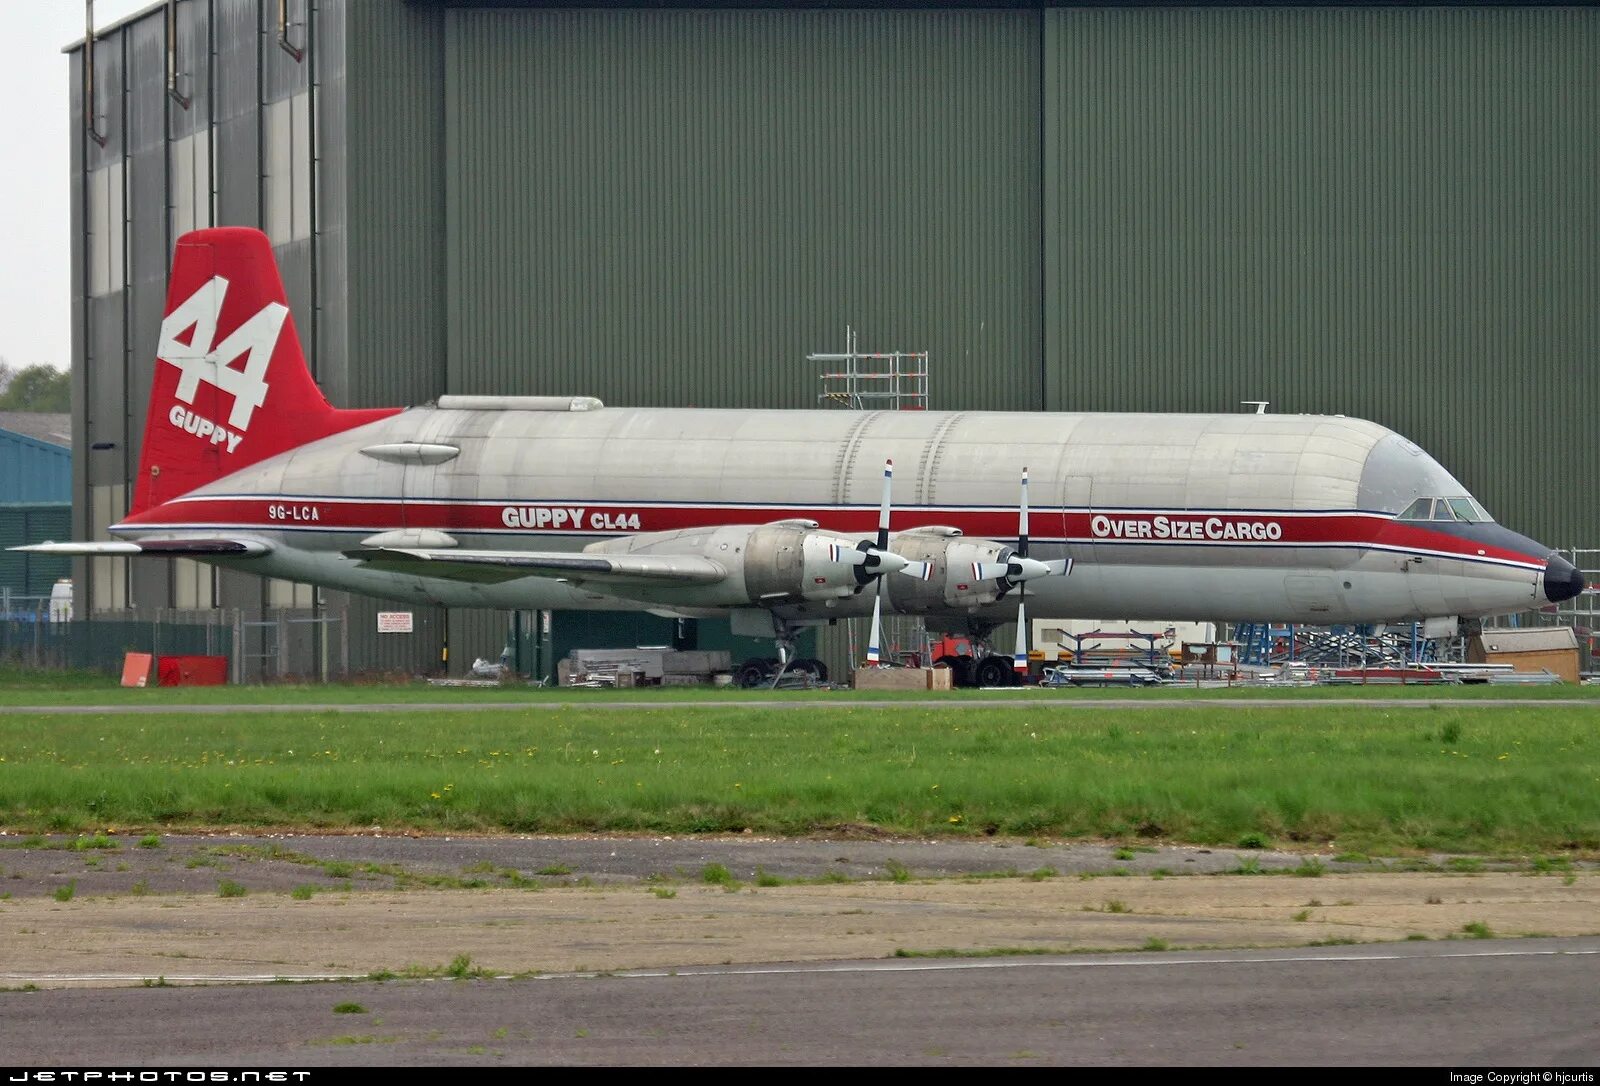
(278, 645)
(32, 637)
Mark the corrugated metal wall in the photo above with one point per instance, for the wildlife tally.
(33, 471)
(676, 207)
(23, 574)
(1383, 212)
(383, 247)
(1386, 212)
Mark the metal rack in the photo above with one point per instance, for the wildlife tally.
(1263, 645)
(873, 380)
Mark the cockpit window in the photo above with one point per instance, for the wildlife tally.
(1446, 509)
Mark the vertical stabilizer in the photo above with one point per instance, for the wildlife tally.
(231, 386)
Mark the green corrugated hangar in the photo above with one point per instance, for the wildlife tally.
(1384, 211)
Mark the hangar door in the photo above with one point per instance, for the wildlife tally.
(676, 207)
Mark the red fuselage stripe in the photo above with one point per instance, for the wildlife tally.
(536, 519)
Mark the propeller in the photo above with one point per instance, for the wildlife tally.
(1018, 569)
(873, 559)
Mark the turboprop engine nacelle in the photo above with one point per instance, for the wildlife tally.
(792, 560)
(785, 561)
(953, 582)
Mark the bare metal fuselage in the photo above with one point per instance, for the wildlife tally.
(1241, 517)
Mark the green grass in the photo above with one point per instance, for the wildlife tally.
(23, 686)
(461, 968)
(716, 875)
(1376, 779)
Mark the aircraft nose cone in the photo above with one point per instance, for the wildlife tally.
(1562, 580)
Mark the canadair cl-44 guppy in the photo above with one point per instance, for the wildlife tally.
(781, 520)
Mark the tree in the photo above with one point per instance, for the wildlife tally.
(35, 388)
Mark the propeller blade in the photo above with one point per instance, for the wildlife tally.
(1027, 569)
(850, 556)
(1022, 519)
(922, 571)
(989, 571)
(883, 508)
(1021, 568)
(1019, 660)
(874, 656)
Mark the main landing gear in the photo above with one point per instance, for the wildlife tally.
(770, 672)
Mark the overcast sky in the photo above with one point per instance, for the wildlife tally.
(35, 221)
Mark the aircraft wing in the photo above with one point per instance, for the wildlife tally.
(160, 548)
(489, 567)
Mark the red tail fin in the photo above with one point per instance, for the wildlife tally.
(231, 385)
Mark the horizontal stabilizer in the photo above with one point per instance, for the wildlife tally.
(493, 566)
(160, 548)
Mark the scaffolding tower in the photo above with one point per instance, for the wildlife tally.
(872, 380)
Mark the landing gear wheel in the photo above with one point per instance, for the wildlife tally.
(960, 670)
(754, 673)
(995, 671)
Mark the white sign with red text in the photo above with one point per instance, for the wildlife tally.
(394, 622)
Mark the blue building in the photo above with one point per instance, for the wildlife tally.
(35, 502)
(35, 457)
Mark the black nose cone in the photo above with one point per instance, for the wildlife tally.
(1562, 580)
